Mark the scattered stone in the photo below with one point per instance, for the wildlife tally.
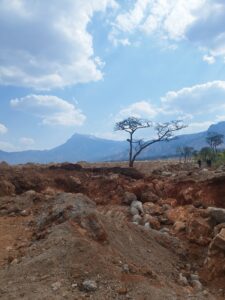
(205, 293)
(6, 188)
(136, 208)
(136, 219)
(56, 285)
(149, 197)
(126, 268)
(122, 291)
(198, 231)
(147, 225)
(89, 285)
(25, 213)
(164, 230)
(218, 241)
(182, 280)
(129, 198)
(217, 214)
(194, 277)
(179, 226)
(196, 284)
(153, 221)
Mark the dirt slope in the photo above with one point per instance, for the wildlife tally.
(67, 233)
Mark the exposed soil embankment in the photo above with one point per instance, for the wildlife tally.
(74, 231)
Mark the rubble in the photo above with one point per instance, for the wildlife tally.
(67, 232)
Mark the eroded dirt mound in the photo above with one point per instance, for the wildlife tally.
(68, 233)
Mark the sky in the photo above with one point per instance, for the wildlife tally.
(80, 66)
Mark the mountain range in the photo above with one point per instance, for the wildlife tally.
(92, 149)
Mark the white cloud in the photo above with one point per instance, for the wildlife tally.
(199, 106)
(141, 109)
(27, 142)
(201, 22)
(203, 103)
(209, 59)
(3, 129)
(169, 19)
(51, 109)
(46, 45)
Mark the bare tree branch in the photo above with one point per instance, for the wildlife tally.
(164, 132)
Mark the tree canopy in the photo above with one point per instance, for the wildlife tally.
(163, 132)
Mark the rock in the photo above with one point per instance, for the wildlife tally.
(214, 264)
(56, 285)
(153, 221)
(205, 293)
(166, 207)
(149, 196)
(152, 209)
(122, 291)
(129, 198)
(136, 219)
(126, 268)
(147, 225)
(76, 180)
(182, 280)
(218, 241)
(136, 208)
(198, 231)
(164, 220)
(166, 174)
(25, 213)
(89, 285)
(194, 277)
(6, 188)
(178, 214)
(134, 211)
(217, 214)
(217, 228)
(196, 284)
(179, 226)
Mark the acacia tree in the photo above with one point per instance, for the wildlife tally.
(164, 132)
(214, 139)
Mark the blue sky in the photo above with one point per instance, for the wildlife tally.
(80, 66)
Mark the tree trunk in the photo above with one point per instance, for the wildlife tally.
(131, 163)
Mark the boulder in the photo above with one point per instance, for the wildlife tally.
(214, 265)
(153, 209)
(217, 214)
(179, 226)
(136, 208)
(129, 198)
(152, 221)
(198, 231)
(149, 196)
(136, 219)
(6, 188)
(218, 242)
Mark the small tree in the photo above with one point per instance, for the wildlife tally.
(164, 132)
(186, 152)
(206, 153)
(214, 140)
